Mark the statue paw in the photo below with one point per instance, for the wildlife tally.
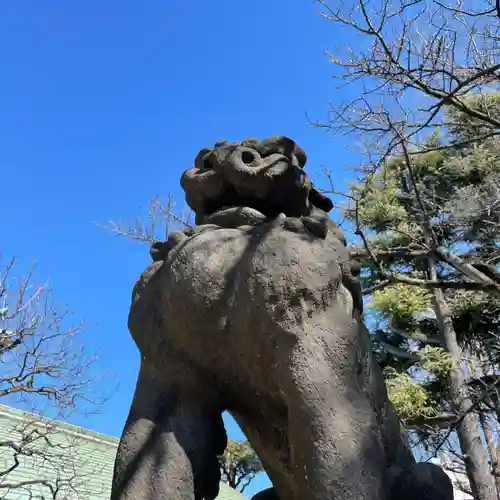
(422, 481)
(316, 225)
(160, 249)
(311, 224)
(267, 494)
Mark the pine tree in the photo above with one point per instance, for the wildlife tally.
(429, 222)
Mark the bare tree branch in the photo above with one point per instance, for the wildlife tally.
(47, 371)
(159, 221)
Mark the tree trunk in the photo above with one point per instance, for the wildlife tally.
(490, 446)
(475, 456)
(476, 459)
(481, 368)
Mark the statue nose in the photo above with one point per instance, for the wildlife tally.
(248, 157)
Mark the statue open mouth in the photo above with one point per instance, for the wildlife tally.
(250, 182)
(232, 209)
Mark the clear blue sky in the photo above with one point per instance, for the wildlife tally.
(104, 104)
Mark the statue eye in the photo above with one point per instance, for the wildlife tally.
(200, 161)
(208, 162)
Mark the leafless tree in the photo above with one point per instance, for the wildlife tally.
(155, 225)
(46, 371)
(415, 66)
(410, 60)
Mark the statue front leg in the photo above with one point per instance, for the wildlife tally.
(335, 443)
(170, 442)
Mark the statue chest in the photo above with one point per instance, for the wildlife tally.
(264, 269)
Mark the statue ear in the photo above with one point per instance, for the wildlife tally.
(319, 200)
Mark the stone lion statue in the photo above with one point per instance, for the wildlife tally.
(257, 311)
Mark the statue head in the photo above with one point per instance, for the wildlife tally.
(258, 180)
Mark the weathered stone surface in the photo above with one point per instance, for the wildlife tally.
(257, 311)
(422, 481)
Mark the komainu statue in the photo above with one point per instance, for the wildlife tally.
(257, 311)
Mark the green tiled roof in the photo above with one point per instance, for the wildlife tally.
(88, 453)
(227, 493)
